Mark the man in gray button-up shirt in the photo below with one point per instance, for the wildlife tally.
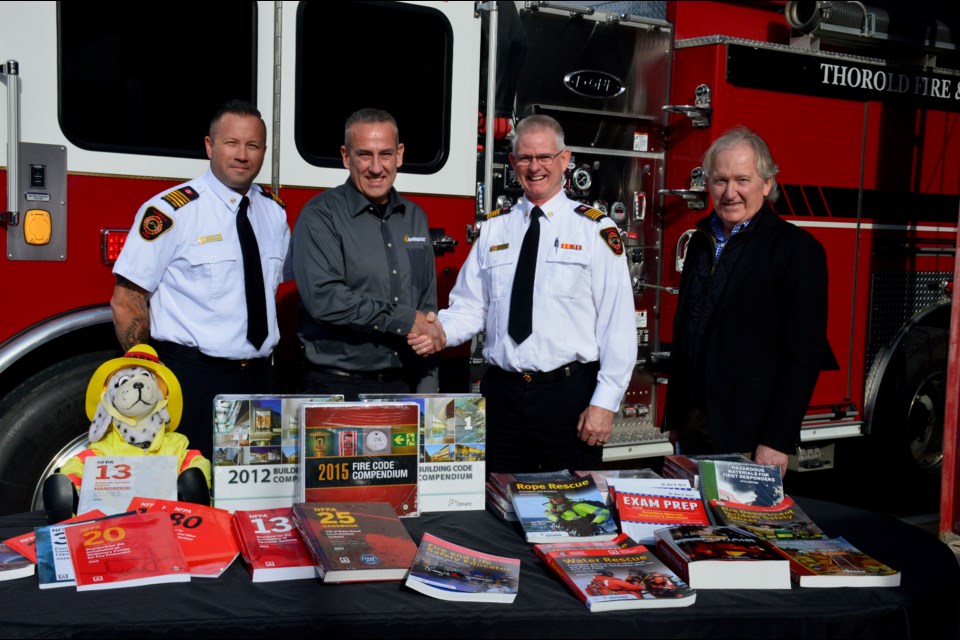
(365, 272)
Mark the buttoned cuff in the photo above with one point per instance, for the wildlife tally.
(401, 321)
(607, 397)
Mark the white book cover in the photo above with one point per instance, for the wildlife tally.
(256, 449)
(452, 465)
(111, 482)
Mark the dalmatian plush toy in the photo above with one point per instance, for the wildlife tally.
(134, 404)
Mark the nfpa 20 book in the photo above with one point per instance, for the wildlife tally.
(361, 452)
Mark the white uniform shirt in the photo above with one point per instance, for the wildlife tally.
(194, 268)
(582, 302)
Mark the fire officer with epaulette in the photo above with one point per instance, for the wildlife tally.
(548, 281)
(198, 274)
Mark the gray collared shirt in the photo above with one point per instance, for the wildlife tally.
(361, 279)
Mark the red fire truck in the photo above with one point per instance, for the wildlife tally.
(106, 106)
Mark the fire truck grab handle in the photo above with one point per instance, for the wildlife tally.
(683, 242)
(11, 69)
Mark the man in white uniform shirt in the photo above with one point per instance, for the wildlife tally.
(557, 377)
(184, 282)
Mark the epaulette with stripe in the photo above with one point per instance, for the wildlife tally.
(274, 197)
(497, 212)
(589, 212)
(180, 197)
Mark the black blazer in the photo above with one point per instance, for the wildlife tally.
(766, 338)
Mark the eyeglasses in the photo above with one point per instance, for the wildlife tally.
(545, 159)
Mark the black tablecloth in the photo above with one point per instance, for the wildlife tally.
(925, 605)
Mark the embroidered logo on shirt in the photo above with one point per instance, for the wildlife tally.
(414, 239)
(155, 223)
(572, 247)
(216, 237)
(499, 247)
(611, 235)
(180, 197)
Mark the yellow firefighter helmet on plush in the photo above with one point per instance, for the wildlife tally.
(134, 404)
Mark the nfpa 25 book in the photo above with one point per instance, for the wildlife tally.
(361, 452)
(355, 541)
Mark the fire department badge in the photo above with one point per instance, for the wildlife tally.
(154, 224)
(611, 236)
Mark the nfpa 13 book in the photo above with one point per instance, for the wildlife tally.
(271, 545)
(361, 452)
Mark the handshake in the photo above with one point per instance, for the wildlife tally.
(427, 336)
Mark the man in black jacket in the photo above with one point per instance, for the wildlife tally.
(750, 328)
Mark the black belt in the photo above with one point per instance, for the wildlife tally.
(383, 375)
(557, 375)
(193, 354)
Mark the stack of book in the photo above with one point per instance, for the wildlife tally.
(498, 489)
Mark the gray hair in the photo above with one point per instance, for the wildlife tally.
(763, 159)
(369, 116)
(536, 122)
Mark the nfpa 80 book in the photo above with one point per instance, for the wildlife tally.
(361, 452)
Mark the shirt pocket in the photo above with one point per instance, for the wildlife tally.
(497, 272)
(212, 266)
(568, 273)
(418, 257)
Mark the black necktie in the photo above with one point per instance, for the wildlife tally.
(521, 298)
(252, 278)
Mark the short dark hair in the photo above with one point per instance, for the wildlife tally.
(237, 108)
(368, 116)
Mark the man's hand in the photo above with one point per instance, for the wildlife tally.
(595, 425)
(767, 455)
(427, 335)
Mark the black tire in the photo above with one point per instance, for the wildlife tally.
(906, 436)
(38, 419)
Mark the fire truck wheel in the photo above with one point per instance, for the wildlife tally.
(42, 423)
(908, 423)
